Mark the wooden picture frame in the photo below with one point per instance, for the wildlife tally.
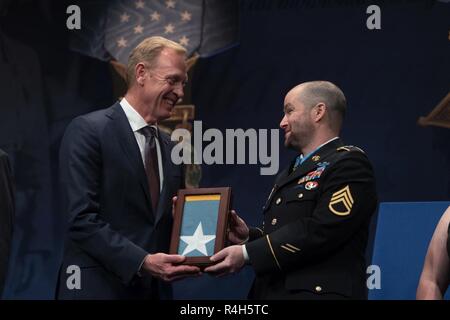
(200, 224)
(439, 116)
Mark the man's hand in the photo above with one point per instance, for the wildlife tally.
(238, 229)
(231, 260)
(167, 267)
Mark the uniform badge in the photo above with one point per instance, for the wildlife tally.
(312, 175)
(323, 164)
(311, 185)
(341, 202)
(315, 158)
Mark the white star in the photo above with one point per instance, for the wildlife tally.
(122, 42)
(138, 29)
(155, 16)
(139, 4)
(124, 17)
(186, 16)
(197, 241)
(170, 4)
(169, 28)
(184, 41)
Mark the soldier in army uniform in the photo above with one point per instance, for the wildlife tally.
(316, 218)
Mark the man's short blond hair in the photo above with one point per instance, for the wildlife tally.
(148, 51)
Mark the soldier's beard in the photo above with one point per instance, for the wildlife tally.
(301, 138)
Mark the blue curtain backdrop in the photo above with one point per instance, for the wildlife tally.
(390, 77)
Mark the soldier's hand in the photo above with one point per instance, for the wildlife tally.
(230, 260)
(238, 232)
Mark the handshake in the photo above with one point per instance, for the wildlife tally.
(169, 267)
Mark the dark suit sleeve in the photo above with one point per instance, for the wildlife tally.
(6, 216)
(81, 169)
(349, 183)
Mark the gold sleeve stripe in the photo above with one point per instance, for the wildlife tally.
(273, 253)
(288, 249)
(343, 196)
(345, 192)
(343, 200)
(346, 196)
(292, 247)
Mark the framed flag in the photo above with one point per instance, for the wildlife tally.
(200, 223)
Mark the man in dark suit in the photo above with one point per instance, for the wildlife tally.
(6, 215)
(119, 180)
(316, 220)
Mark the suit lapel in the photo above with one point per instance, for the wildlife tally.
(309, 163)
(130, 147)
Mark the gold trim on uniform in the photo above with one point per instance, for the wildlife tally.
(273, 253)
(262, 232)
(315, 158)
(349, 148)
(292, 247)
(271, 191)
(343, 196)
(288, 249)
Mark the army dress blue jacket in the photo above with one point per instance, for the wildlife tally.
(316, 222)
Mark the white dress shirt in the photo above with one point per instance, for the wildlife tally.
(137, 122)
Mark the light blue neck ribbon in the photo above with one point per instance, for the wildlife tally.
(300, 158)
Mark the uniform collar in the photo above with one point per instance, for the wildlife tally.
(304, 158)
(314, 160)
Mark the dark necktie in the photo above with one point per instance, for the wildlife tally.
(151, 164)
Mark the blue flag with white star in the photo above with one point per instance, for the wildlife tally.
(112, 29)
(199, 225)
